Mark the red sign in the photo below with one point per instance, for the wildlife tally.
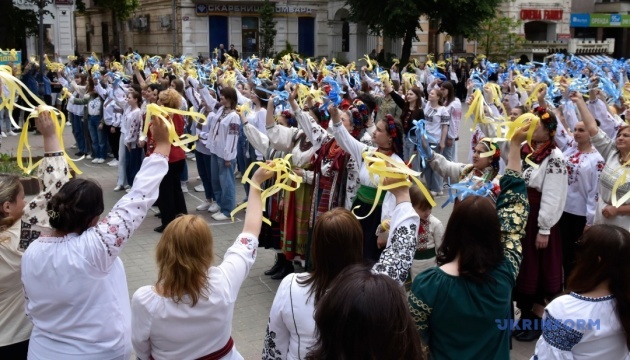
(534, 14)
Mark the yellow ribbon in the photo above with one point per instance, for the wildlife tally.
(369, 62)
(175, 139)
(16, 87)
(621, 180)
(534, 94)
(383, 166)
(284, 178)
(510, 127)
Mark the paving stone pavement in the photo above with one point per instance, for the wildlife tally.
(256, 295)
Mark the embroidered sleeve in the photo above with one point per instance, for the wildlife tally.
(448, 169)
(315, 133)
(513, 210)
(277, 336)
(237, 262)
(420, 310)
(281, 137)
(604, 144)
(257, 138)
(554, 192)
(127, 215)
(591, 200)
(52, 174)
(557, 338)
(348, 143)
(396, 259)
(231, 137)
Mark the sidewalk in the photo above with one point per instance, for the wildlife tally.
(256, 295)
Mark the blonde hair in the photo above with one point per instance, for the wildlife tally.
(184, 254)
(10, 187)
(171, 98)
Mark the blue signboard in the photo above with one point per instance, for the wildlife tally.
(201, 9)
(581, 20)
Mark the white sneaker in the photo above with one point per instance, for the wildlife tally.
(118, 188)
(11, 133)
(113, 163)
(73, 146)
(219, 216)
(238, 175)
(3, 134)
(68, 123)
(199, 188)
(190, 156)
(204, 206)
(194, 159)
(214, 208)
(184, 187)
(127, 190)
(89, 157)
(94, 161)
(127, 187)
(101, 161)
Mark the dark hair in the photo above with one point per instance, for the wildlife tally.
(262, 96)
(75, 206)
(451, 92)
(229, 94)
(522, 108)
(474, 233)
(418, 200)
(179, 85)
(136, 95)
(416, 90)
(337, 243)
(157, 87)
(395, 129)
(365, 316)
(368, 100)
(603, 256)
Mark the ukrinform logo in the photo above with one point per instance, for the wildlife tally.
(548, 324)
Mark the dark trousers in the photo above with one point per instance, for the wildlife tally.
(17, 351)
(571, 229)
(171, 200)
(133, 161)
(113, 138)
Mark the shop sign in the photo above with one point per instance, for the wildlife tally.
(600, 20)
(7, 57)
(536, 14)
(224, 9)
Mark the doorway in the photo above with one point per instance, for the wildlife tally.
(249, 34)
(306, 36)
(105, 38)
(218, 32)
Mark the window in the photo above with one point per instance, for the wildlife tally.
(345, 36)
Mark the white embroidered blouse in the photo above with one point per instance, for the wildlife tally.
(75, 286)
(202, 329)
(291, 328)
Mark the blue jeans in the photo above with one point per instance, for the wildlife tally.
(408, 149)
(134, 159)
(184, 176)
(77, 131)
(434, 180)
(204, 165)
(99, 138)
(223, 184)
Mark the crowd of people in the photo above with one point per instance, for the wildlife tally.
(540, 215)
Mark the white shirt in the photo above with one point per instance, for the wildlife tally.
(583, 170)
(75, 286)
(291, 328)
(602, 339)
(436, 117)
(222, 138)
(202, 329)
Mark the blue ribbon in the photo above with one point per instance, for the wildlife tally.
(464, 189)
(419, 128)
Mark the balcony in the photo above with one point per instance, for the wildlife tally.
(612, 6)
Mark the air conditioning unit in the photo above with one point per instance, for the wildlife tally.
(141, 23)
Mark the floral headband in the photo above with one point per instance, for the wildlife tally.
(291, 121)
(490, 146)
(391, 124)
(549, 122)
(359, 112)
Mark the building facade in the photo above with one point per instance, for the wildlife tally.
(58, 30)
(599, 20)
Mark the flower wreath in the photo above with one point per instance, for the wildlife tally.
(547, 120)
(291, 121)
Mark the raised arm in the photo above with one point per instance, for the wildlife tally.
(126, 216)
(351, 145)
(396, 259)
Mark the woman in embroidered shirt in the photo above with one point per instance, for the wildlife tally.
(411, 110)
(337, 244)
(132, 123)
(74, 282)
(540, 276)
(222, 140)
(93, 104)
(438, 119)
(584, 165)
(592, 321)
(454, 108)
(171, 201)
(478, 262)
(388, 140)
(616, 153)
(21, 224)
(188, 313)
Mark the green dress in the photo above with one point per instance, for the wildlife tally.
(459, 319)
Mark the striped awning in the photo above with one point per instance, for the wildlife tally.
(597, 59)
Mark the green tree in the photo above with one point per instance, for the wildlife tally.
(400, 18)
(498, 37)
(267, 29)
(17, 25)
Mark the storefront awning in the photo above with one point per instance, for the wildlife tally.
(597, 59)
